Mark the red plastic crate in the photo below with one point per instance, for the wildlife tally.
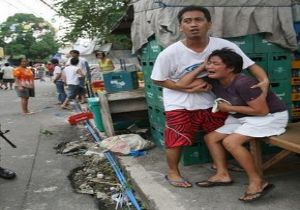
(80, 117)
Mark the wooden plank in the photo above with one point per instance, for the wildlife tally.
(129, 105)
(132, 94)
(290, 140)
(106, 116)
(255, 149)
(275, 159)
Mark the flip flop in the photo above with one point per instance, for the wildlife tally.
(257, 195)
(179, 183)
(207, 183)
(230, 168)
(66, 107)
(28, 113)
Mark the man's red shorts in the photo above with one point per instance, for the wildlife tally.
(182, 125)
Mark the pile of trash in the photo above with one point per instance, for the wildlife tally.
(96, 176)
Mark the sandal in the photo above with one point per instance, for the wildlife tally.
(7, 174)
(179, 183)
(207, 183)
(249, 197)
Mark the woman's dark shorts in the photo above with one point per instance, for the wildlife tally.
(25, 93)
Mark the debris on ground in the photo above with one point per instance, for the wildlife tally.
(46, 132)
(95, 176)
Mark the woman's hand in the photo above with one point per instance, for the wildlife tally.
(224, 106)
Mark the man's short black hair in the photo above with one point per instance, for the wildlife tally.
(75, 51)
(230, 58)
(54, 61)
(194, 8)
(6, 64)
(74, 61)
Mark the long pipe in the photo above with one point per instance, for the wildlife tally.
(110, 157)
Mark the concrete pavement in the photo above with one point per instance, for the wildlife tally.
(41, 182)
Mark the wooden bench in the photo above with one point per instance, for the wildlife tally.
(289, 142)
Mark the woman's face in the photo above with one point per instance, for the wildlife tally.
(216, 68)
(100, 55)
(23, 63)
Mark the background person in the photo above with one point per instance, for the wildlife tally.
(58, 81)
(71, 75)
(24, 84)
(105, 64)
(85, 69)
(189, 110)
(8, 79)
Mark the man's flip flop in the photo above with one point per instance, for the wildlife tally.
(179, 183)
(257, 195)
(207, 183)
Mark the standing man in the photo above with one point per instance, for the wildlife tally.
(8, 77)
(58, 81)
(84, 66)
(188, 111)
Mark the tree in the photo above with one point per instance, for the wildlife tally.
(26, 34)
(92, 18)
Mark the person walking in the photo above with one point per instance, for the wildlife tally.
(71, 76)
(58, 81)
(8, 78)
(189, 110)
(24, 84)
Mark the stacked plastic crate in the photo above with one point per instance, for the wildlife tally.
(153, 93)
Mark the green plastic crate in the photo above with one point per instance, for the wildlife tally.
(154, 49)
(145, 52)
(260, 59)
(261, 45)
(195, 154)
(150, 94)
(159, 95)
(246, 43)
(94, 106)
(147, 70)
(157, 134)
(282, 88)
(279, 66)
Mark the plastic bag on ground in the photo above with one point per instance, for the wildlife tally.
(125, 143)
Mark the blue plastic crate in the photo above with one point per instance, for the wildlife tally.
(297, 27)
(117, 81)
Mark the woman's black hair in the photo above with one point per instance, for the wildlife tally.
(194, 8)
(230, 58)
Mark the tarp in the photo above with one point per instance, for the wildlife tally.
(230, 19)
